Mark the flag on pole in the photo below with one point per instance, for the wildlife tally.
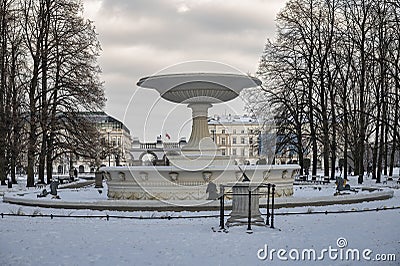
(167, 136)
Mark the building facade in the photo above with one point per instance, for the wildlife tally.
(236, 136)
(154, 153)
(115, 142)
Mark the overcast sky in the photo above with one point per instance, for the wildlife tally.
(141, 38)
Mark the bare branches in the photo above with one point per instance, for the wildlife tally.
(49, 71)
(333, 76)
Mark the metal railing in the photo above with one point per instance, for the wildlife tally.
(171, 217)
(148, 145)
(270, 197)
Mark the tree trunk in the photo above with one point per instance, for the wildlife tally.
(42, 159)
(300, 147)
(32, 133)
(325, 122)
(385, 145)
(310, 74)
(32, 126)
(15, 147)
(333, 145)
(381, 149)
(362, 95)
(376, 145)
(45, 18)
(395, 144)
(3, 69)
(49, 159)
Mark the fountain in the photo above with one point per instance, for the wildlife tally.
(198, 163)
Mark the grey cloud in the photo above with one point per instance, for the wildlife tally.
(158, 24)
(141, 37)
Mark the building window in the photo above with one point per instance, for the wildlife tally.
(223, 141)
(242, 140)
(242, 131)
(242, 152)
(234, 131)
(234, 140)
(223, 152)
(223, 131)
(81, 169)
(60, 169)
(233, 151)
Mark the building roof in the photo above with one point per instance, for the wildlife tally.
(232, 119)
(102, 117)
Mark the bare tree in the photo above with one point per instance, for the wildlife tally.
(279, 71)
(347, 71)
(75, 84)
(15, 96)
(63, 49)
(11, 94)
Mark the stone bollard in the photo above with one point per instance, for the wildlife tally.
(98, 179)
(240, 205)
(53, 187)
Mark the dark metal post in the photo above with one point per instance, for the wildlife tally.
(273, 206)
(222, 207)
(249, 218)
(268, 214)
(109, 150)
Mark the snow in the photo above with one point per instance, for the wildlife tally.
(98, 241)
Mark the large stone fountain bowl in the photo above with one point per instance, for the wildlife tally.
(173, 183)
(199, 87)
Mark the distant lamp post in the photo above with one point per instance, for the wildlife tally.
(213, 137)
(214, 132)
(108, 146)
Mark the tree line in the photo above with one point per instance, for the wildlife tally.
(49, 76)
(332, 78)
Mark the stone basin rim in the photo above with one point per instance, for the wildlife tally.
(197, 75)
(209, 168)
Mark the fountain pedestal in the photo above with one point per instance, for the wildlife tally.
(199, 135)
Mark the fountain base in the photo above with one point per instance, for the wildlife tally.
(173, 183)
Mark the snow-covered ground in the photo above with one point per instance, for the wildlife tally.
(98, 241)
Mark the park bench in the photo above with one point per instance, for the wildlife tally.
(317, 179)
(40, 185)
(390, 178)
(63, 178)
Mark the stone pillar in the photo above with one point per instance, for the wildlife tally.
(200, 135)
(240, 205)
